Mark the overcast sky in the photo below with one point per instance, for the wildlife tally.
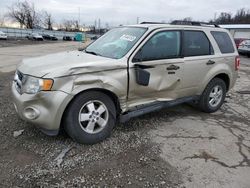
(126, 11)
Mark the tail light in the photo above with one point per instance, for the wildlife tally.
(237, 63)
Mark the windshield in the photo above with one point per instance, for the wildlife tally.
(116, 43)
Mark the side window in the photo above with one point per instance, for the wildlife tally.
(163, 45)
(224, 42)
(196, 43)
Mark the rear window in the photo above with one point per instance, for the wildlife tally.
(224, 42)
(196, 43)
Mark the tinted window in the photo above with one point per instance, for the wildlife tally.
(163, 45)
(196, 43)
(224, 42)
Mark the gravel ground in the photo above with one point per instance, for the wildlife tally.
(31, 159)
(176, 147)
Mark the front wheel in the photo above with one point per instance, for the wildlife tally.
(90, 117)
(213, 96)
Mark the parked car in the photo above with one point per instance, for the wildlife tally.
(35, 36)
(244, 47)
(50, 37)
(67, 38)
(238, 41)
(3, 36)
(129, 71)
(94, 38)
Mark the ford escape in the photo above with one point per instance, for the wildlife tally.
(129, 71)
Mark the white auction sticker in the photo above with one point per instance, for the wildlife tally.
(128, 38)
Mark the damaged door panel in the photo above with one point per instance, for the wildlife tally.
(156, 69)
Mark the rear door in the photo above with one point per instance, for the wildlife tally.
(155, 68)
(199, 59)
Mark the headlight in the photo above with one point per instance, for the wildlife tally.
(32, 85)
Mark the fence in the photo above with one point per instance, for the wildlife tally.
(22, 33)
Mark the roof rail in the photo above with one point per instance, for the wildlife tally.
(182, 22)
(152, 23)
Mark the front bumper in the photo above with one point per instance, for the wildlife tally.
(44, 109)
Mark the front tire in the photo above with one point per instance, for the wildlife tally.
(213, 96)
(90, 118)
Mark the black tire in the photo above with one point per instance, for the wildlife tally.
(75, 129)
(204, 104)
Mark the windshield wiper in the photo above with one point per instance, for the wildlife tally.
(91, 52)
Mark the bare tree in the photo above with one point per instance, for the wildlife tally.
(242, 16)
(47, 20)
(71, 25)
(187, 19)
(224, 18)
(2, 20)
(25, 14)
(67, 25)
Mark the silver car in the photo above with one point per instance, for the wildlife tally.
(3, 35)
(244, 47)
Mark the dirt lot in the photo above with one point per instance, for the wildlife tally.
(176, 147)
(11, 42)
(11, 56)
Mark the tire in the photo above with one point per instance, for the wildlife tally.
(84, 124)
(207, 102)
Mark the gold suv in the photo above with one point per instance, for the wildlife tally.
(129, 71)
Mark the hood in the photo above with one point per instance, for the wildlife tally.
(66, 63)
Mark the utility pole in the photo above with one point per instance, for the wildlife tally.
(215, 16)
(99, 25)
(79, 17)
(95, 26)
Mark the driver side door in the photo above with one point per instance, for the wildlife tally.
(155, 69)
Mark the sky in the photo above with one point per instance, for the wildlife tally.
(115, 12)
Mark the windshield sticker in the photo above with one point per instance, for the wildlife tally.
(129, 38)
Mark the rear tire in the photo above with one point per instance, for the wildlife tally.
(213, 96)
(90, 117)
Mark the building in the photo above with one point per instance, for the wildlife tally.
(238, 30)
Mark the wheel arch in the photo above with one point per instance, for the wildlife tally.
(109, 93)
(225, 78)
(222, 75)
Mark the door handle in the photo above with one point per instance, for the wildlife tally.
(143, 66)
(173, 67)
(210, 62)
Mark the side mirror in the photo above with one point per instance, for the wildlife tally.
(142, 76)
(138, 57)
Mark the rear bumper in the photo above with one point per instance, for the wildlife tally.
(44, 110)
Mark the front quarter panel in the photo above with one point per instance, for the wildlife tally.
(112, 77)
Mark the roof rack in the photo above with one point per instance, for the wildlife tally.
(182, 22)
(152, 23)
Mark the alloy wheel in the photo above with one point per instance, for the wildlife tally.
(93, 116)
